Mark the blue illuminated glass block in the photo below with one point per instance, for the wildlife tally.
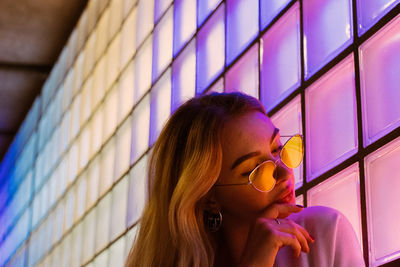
(370, 11)
(242, 26)
(280, 58)
(210, 50)
(159, 8)
(184, 22)
(204, 9)
(327, 31)
(269, 9)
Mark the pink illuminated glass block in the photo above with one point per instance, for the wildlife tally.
(184, 23)
(119, 208)
(341, 192)
(241, 26)
(145, 12)
(218, 87)
(243, 76)
(143, 70)
(184, 76)
(280, 58)
(103, 222)
(327, 31)
(210, 53)
(270, 9)
(288, 121)
(370, 11)
(300, 200)
(331, 119)
(382, 198)
(140, 129)
(205, 8)
(159, 8)
(379, 73)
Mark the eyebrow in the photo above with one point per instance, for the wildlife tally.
(254, 153)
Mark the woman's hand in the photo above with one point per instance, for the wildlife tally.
(269, 234)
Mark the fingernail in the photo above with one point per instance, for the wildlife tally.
(313, 239)
(300, 206)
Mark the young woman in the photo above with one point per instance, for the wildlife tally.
(222, 194)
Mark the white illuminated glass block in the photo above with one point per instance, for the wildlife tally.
(80, 193)
(242, 26)
(210, 48)
(89, 231)
(382, 198)
(130, 237)
(78, 79)
(371, 11)
(280, 58)
(65, 247)
(128, 35)
(328, 29)
(217, 87)
(81, 30)
(96, 130)
(98, 88)
(125, 92)
(117, 252)
(89, 59)
(61, 174)
(103, 217)
(56, 254)
(184, 23)
(113, 61)
(300, 200)
(119, 208)
(73, 157)
(69, 210)
(128, 5)
(184, 76)
(102, 34)
(243, 76)
(270, 9)
(116, 17)
(123, 148)
(143, 70)
(137, 194)
(162, 45)
(107, 159)
(93, 177)
(84, 147)
(140, 129)
(102, 259)
(145, 12)
(86, 104)
(77, 245)
(58, 222)
(205, 8)
(35, 211)
(110, 114)
(65, 132)
(379, 73)
(331, 119)
(67, 90)
(341, 192)
(160, 6)
(160, 105)
(288, 121)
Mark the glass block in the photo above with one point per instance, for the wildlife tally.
(61, 172)
(341, 192)
(217, 87)
(103, 217)
(73, 157)
(143, 70)
(56, 253)
(379, 73)
(370, 11)
(300, 200)
(145, 11)
(110, 114)
(184, 23)
(102, 33)
(58, 222)
(270, 9)
(210, 54)
(80, 194)
(137, 194)
(98, 88)
(280, 58)
(113, 60)
(96, 130)
(123, 148)
(243, 76)
(116, 15)
(86, 106)
(89, 231)
(288, 121)
(102, 259)
(382, 196)
(128, 36)
(117, 251)
(184, 76)
(205, 8)
(93, 177)
(162, 45)
(69, 210)
(118, 208)
(140, 129)
(160, 105)
(89, 60)
(328, 29)
(160, 6)
(107, 159)
(84, 147)
(125, 92)
(242, 26)
(331, 115)
(130, 237)
(65, 247)
(78, 79)
(77, 245)
(65, 132)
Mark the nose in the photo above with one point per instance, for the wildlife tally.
(282, 172)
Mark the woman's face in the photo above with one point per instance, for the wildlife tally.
(247, 141)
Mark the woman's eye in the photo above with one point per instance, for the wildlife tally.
(246, 174)
(277, 150)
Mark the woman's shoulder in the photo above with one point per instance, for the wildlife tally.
(318, 215)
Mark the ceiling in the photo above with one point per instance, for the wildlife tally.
(32, 35)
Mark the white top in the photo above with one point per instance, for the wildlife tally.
(335, 243)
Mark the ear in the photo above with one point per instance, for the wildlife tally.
(210, 201)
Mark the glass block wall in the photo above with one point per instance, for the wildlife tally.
(73, 183)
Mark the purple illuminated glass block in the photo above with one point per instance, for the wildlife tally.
(327, 31)
(271, 8)
(280, 58)
(242, 26)
(184, 23)
(331, 119)
(379, 73)
(243, 76)
(370, 11)
(210, 50)
(159, 8)
(205, 8)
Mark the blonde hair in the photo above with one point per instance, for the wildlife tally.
(185, 164)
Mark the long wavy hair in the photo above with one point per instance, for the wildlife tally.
(184, 165)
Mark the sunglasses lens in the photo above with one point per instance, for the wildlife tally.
(292, 152)
(262, 177)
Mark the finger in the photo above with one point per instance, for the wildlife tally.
(305, 233)
(281, 210)
(292, 228)
(290, 240)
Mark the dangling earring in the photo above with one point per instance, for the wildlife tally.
(212, 220)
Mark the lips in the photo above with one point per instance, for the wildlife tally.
(286, 196)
